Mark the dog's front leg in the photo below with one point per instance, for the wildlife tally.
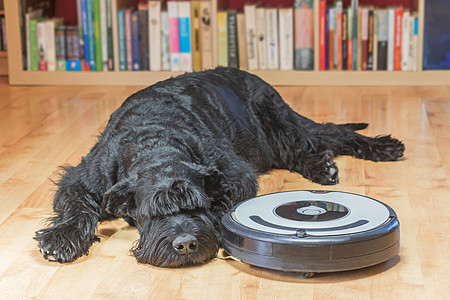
(72, 230)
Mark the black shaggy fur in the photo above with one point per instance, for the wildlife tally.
(177, 155)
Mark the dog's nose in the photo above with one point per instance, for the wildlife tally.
(185, 243)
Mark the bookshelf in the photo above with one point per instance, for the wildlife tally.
(17, 76)
(3, 54)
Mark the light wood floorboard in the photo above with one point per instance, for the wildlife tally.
(42, 128)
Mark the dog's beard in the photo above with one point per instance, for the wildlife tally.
(155, 245)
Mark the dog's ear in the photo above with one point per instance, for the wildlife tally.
(170, 197)
(119, 201)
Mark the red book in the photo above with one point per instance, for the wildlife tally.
(339, 35)
(350, 54)
(128, 42)
(322, 29)
(398, 39)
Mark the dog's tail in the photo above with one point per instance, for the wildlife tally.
(354, 126)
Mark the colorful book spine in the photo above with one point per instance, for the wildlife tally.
(50, 26)
(135, 47)
(165, 41)
(155, 34)
(242, 44)
(391, 39)
(90, 38)
(338, 42)
(97, 36)
(273, 62)
(322, 34)
(327, 39)
(109, 32)
(122, 42)
(222, 39)
(370, 47)
(331, 35)
(42, 48)
(34, 50)
(375, 38)
(364, 37)
(405, 41)
(233, 51)
(84, 26)
(184, 23)
(143, 36)
(350, 39)
(172, 9)
(103, 35)
(128, 40)
(28, 17)
(355, 34)
(304, 34)
(195, 36)
(415, 40)
(383, 32)
(398, 39)
(344, 40)
(286, 34)
(72, 49)
(60, 48)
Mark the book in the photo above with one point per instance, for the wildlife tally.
(28, 17)
(97, 36)
(73, 54)
(344, 40)
(128, 40)
(184, 31)
(355, 44)
(273, 62)
(242, 44)
(85, 34)
(391, 33)
(250, 25)
(206, 35)
(50, 53)
(144, 36)
(122, 42)
(405, 41)
(174, 37)
(398, 39)
(322, 34)
(331, 34)
(155, 34)
(286, 34)
(60, 48)
(34, 50)
(414, 42)
(104, 35)
(364, 37)
(165, 41)
(222, 39)
(195, 36)
(327, 46)
(90, 35)
(109, 33)
(261, 37)
(375, 38)
(304, 34)
(350, 39)
(233, 51)
(135, 47)
(383, 32)
(370, 40)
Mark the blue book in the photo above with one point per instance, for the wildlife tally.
(84, 26)
(184, 35)
(73, 65)
(135, 47)
(122, 43)
(90, 32)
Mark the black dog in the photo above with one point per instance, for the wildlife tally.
(177, 155)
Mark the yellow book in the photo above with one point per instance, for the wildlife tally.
(195, 38)
(222, 38)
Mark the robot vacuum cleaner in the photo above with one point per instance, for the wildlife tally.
(311, 231)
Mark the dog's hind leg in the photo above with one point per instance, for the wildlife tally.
(72, 230)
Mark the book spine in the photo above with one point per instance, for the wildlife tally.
(184, 23)
(411, 42)
(304, 35)
(272, 39)
(370, 40)
(322, 34)
(122, 43)
(155, 34)
(42, 46)
(250, 24)
(415, 40)
(261, 37)
(331, 30)
(50, 43)
(398, 39)
(350, 39)
(364, 37)
(97, 36)
(242, 45)
(34, 57)
(233, 54)
(104, 35)
(90, 28)
(143, 36)
(135, 48)
(60, 48)
(375, 38)
(344, 40)
(165, 41)
(84, 28)
(222, 39)
(286, 34)
(109, 30)
(172, 9)
(405, 41)
(128, 40)
(383, 31)
(355, 34)
(72, 49)
(391, 39)
(206, 39)
(339, 35)
(327, 39)
(195, 39)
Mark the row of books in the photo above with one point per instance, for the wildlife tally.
(3, 44)
(367, 38)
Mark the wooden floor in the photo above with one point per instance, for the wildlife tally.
(44, 127)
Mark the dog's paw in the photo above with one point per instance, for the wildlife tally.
(323, 170)
(63, 244)
(382, 148)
